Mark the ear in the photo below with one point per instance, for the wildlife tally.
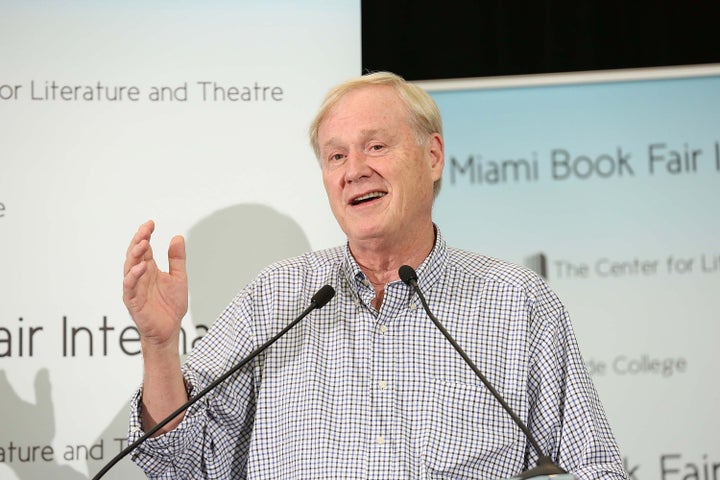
(436, 154)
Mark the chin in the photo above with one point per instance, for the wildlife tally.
(366, 234)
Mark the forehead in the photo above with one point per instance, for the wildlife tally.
(364, 108)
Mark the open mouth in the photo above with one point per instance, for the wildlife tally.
(368, 197)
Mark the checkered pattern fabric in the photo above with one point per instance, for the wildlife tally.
(356, 393)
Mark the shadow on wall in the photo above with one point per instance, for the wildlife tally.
(31, 425)
(225, 252)
(229, 248)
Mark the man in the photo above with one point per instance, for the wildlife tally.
(367, 387)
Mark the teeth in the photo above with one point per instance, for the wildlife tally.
(368, 196)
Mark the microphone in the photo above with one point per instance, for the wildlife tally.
(321, 297)
(545, 465)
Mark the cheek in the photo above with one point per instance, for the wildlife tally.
(333, 188)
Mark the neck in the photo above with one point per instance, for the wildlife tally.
(380, 260)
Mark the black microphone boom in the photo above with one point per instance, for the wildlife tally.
(545, 465)
(317, 301)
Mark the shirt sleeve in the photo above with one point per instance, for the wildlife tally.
(213, 438)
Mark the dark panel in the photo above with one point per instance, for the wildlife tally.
(426, 40)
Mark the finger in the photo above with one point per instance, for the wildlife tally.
(144, 232)
(134, 296)
(140, 253)
(177, 257)
(139, 247)
(131, 278)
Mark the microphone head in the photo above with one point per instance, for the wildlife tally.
(323, 296)
(407, 275)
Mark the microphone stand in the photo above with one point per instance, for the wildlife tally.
(318, 300)
(545, 465)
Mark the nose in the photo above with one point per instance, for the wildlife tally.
(357, 166)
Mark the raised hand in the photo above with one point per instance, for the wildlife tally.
(156, 300)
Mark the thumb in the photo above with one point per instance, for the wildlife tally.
(176, 257)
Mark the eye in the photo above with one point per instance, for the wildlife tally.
(376, 147)
(336, 157)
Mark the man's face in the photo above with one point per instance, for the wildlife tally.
(378, 179)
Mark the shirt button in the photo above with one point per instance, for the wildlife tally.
(413, 306)
(383, 329)
(382, 384)
(380, 440)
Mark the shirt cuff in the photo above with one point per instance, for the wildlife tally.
(156, 454)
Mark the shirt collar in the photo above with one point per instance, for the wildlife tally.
(432, 268)
(429, 271)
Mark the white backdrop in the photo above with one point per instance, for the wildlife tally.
(614, 179)
(208, 139)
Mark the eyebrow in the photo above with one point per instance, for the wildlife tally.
(365, 133)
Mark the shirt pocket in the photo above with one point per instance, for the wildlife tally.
(470, 433)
